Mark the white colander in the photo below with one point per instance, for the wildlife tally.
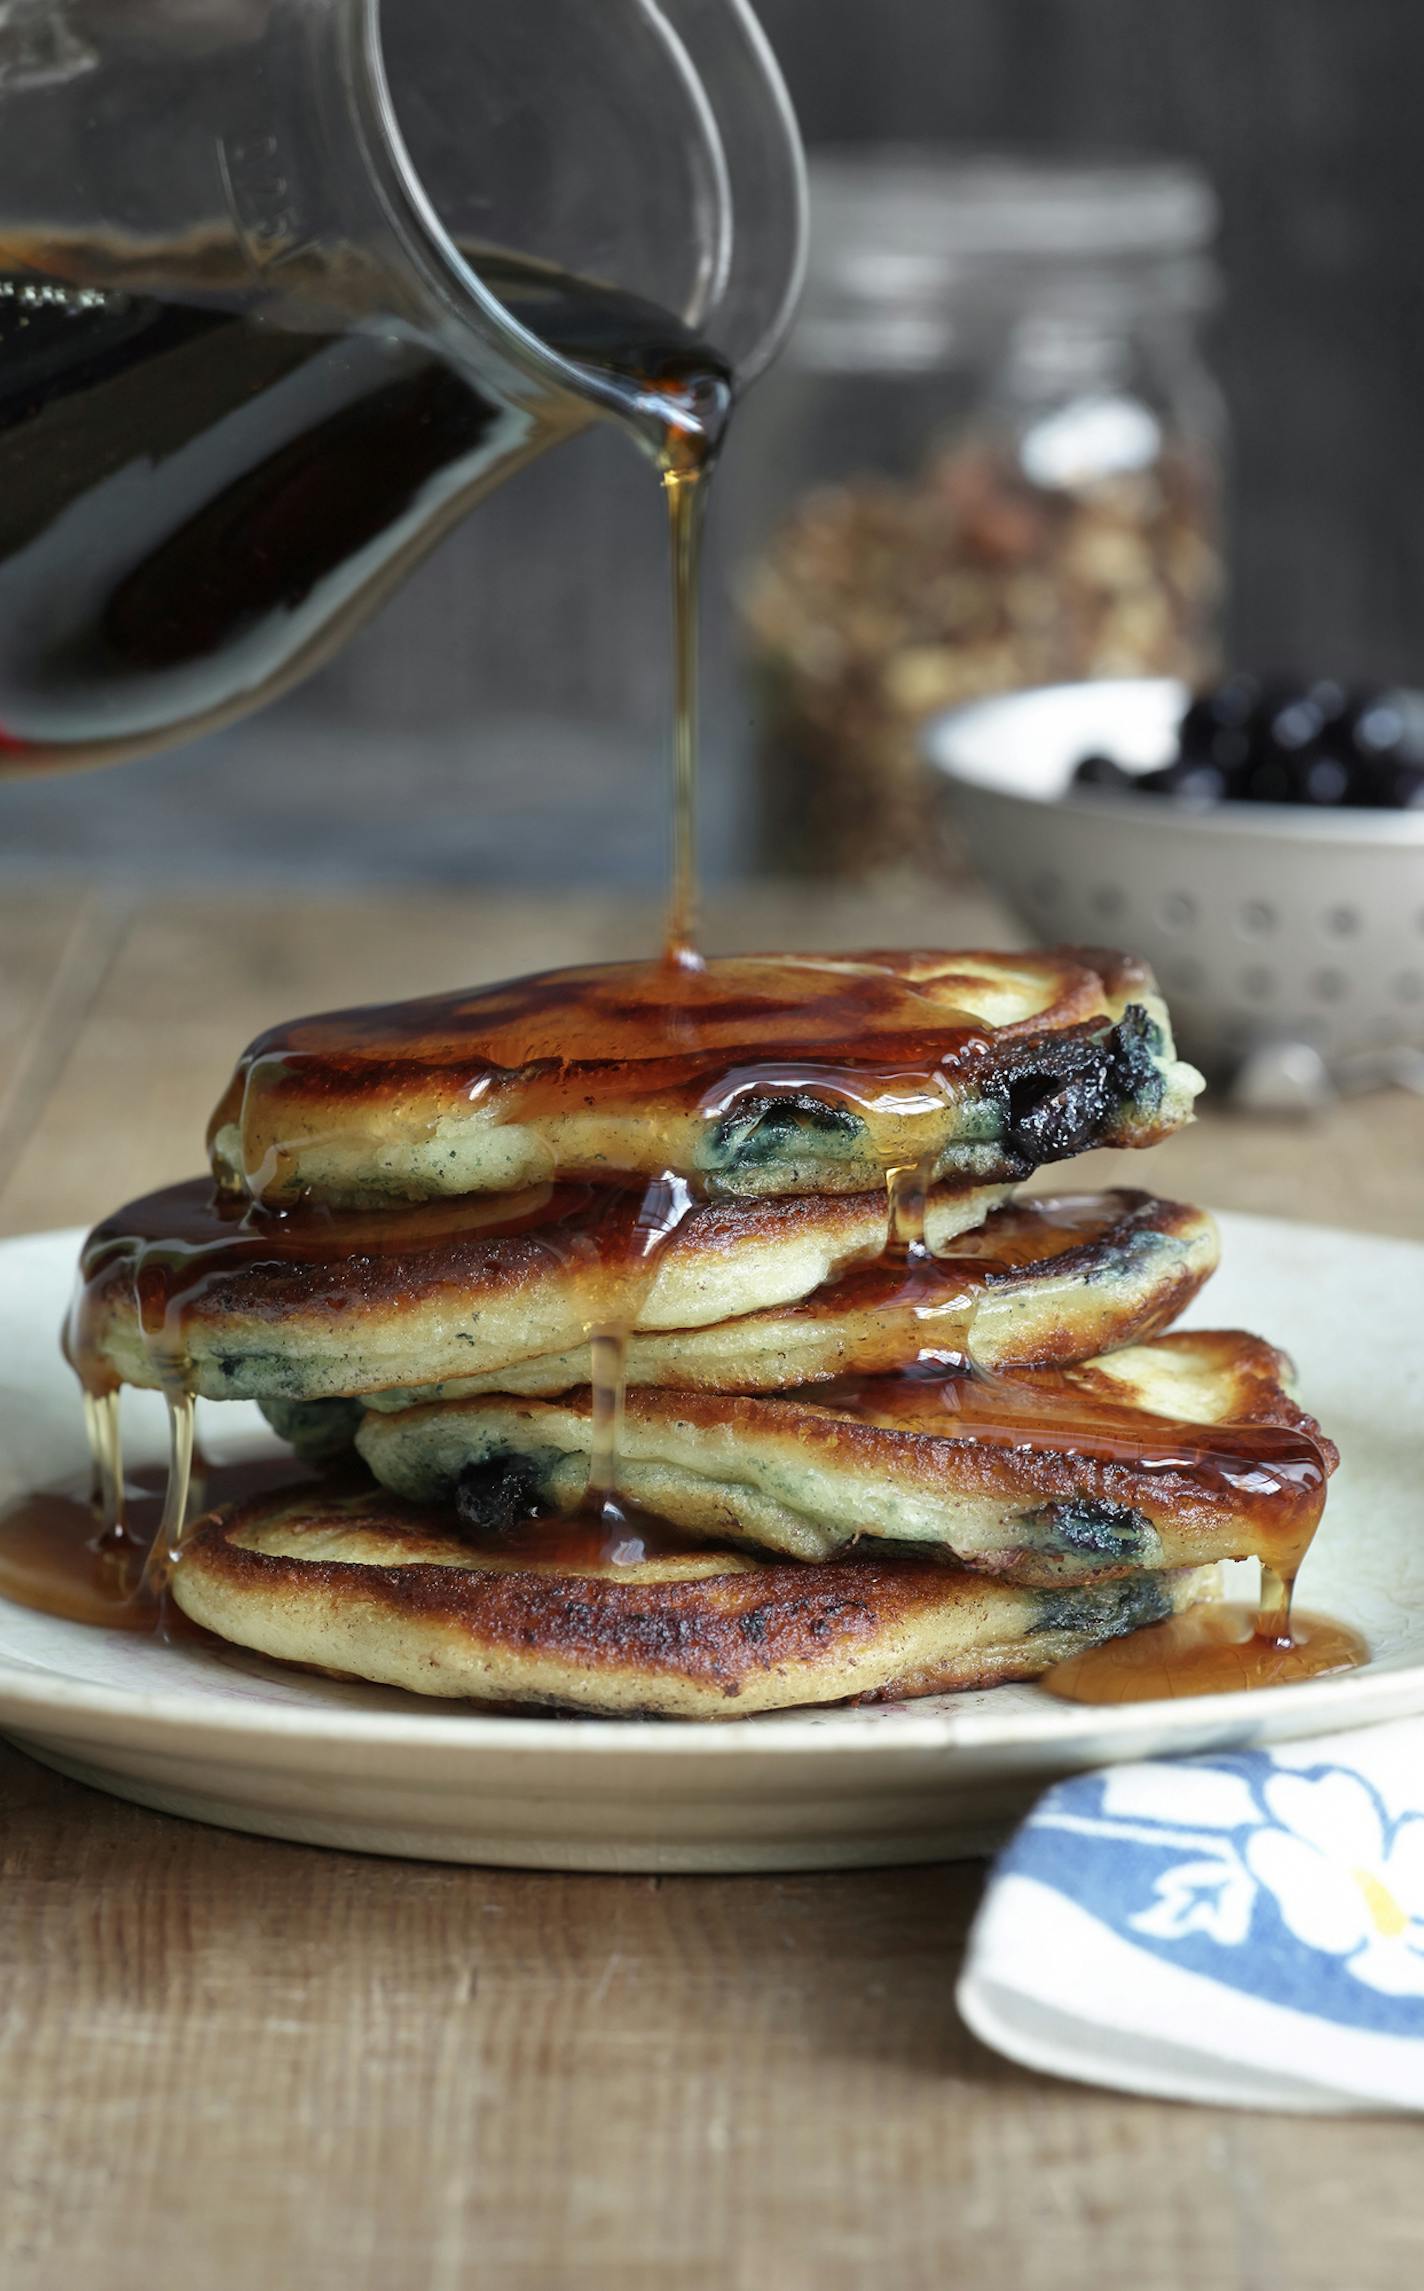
(1270, 927)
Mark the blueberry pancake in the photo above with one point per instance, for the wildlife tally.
(367, 1587)
(1049, 1277)
(1174, 1453)
(299, 1305)
(765, 1075)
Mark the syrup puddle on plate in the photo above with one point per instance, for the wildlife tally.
(59, 1557)
(1229, 1647)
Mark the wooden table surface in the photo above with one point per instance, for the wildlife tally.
(227, 2062)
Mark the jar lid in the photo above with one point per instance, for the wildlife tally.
(909, 238)
(993, 206)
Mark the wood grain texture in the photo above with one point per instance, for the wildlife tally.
(55, 950)
(236, 2064)
(233, 2063)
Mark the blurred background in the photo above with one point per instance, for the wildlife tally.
(1247, 311)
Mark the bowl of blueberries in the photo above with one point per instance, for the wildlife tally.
(1261, 844)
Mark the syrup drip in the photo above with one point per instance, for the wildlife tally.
(940, 1294)
(665, 1204)
(167, 1546)
(1273, 1608)
(160, 1321)
(116, 1565)
(906, 1188)
(692, 400)
(101, 1427)
(607, 1357)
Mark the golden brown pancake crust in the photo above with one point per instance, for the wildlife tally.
(364, 1585)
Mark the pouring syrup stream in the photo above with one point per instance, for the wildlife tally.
(685, 491)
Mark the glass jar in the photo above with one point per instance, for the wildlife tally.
(992, 458)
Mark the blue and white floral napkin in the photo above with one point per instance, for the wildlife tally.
(1242, 1929)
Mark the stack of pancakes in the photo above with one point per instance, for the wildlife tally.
(889, 1426)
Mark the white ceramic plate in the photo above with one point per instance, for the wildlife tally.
(238, 1741)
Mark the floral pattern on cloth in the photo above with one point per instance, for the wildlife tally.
(1292, 1883)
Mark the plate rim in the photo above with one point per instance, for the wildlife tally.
(28, 1690)
(24, 1689)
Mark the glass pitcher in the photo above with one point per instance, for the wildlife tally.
(286, 285)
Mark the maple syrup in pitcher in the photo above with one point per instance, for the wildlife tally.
(197, 503)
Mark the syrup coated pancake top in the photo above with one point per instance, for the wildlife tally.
(247, 1303)
(451, 1297)
(767, 1074)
